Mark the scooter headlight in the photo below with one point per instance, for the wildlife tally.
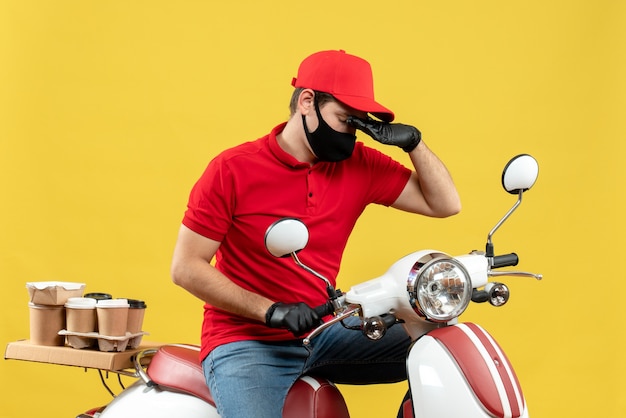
(439, 287)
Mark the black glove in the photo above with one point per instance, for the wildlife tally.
(296, 317)
(406, 137)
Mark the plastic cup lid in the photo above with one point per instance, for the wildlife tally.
(137, 304)
(112, 303)
(98, 296)
(80, 303)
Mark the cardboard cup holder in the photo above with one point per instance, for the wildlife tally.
(81, 340)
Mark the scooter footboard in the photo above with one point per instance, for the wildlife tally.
(461, 371)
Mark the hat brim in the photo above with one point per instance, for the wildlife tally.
(366, 105)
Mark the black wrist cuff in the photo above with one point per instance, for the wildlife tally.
(269, 313)
(416, 141)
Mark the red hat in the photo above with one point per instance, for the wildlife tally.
(347, 77)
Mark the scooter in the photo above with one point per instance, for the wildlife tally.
(454, 369)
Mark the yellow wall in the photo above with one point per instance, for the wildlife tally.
(109, 111)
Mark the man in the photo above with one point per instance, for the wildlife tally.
(259, 307)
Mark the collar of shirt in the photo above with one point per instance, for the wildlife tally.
(283, 156)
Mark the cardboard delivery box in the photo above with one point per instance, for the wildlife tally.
(112, 361)
(53, 293)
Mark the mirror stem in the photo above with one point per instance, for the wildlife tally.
(332, 294)
(489, 248)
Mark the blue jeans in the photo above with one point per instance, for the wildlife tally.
(252, 378)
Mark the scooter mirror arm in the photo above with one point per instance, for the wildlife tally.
(489, 247)
(332, 293)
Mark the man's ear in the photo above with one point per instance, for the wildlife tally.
(306, 101)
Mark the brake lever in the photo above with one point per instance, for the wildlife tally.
(491, 273)
(349, 311)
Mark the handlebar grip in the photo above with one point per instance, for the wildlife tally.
(479, 296)
(324, 309)
(506, 260)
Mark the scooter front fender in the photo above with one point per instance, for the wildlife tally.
(461, 371)
(139, 400)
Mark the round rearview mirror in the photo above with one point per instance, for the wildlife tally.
(520, 174)
(286, 236)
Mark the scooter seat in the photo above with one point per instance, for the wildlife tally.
(177, 367)
(313, 397)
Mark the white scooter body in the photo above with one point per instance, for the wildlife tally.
(453, 370)
(139, 400)
(460, 371)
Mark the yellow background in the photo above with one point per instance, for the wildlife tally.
(110, 110)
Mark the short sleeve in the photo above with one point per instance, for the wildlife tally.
(211, 202)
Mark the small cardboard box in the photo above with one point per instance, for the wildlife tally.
(68, 356)
(53, 293)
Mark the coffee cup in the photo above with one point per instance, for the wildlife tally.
(112, 317)
(136, 311)
(81, 314)
(97, 296)
(45, 323)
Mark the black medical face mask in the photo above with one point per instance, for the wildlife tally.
(326, 143)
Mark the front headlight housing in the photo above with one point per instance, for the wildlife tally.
(439, 287)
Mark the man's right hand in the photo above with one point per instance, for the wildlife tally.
(404, 136)
(299, 318)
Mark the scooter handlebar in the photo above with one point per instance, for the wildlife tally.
(324, 309)
(505, 260)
